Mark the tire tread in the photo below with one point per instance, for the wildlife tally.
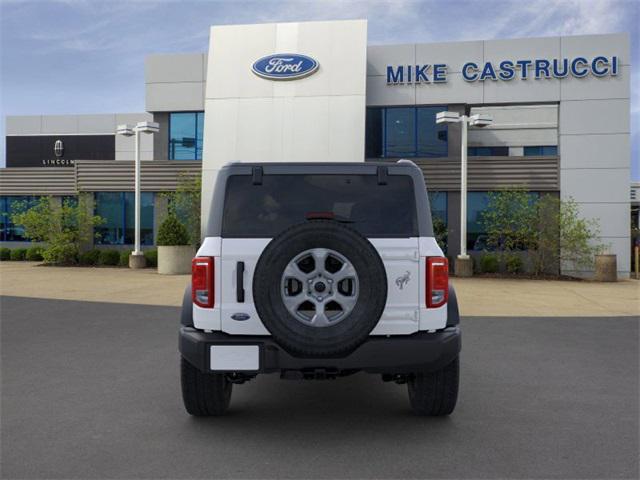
(435, 393)
(204, 394)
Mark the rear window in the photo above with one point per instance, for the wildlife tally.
(284, 200)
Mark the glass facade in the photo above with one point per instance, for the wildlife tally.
(9, 232)
(438, 204)
(477, 203)
(400, 132)
(117, 209)
(541, 151)
(185, 135)
(488, 151)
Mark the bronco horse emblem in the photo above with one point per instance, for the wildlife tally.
(402, 280)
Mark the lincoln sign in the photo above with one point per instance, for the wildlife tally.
(506, 70)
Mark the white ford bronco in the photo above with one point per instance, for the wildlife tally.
(320, 270)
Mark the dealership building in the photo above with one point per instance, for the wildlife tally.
(560, 108)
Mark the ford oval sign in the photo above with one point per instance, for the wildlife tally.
(285, 66)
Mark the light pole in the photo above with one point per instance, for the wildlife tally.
(463, 264)
(136, 259)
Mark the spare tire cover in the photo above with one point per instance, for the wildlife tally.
(320, 288)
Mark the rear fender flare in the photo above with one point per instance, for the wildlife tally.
(186, 314)
(453, 313)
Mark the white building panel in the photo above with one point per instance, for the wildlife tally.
(522, 91)
(59, 124)
(176, 68)
(454, 90)
(249, 118)
(381, 94)
(23, 125)
(595, 151)
(521, 49)
(594, 117)
(612, 218)
(97, 124)
(595, 88)
(175, 97)
(596, 185)
(380, 56)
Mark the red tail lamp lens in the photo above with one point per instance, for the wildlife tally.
(437, 281)
(202, 281)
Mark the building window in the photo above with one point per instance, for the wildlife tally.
(439, 217)
(488, 151)
(185, 135)
(438, 204)
(117, 209)
(405, 132)
(541, 151)
(9, 232)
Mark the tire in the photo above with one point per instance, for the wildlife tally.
(204, 394)
(333, 340)
(436, 393)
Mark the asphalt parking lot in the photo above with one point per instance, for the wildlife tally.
(91, 390)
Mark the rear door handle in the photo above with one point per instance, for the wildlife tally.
(240, 282)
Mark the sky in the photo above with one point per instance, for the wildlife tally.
(87, 56)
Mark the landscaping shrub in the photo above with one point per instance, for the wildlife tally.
(61, 254)
(513, 264)
(152, 258)
(90, 257)
(18, 254)
(172, 232)
(64, 228)
(5, 254)
(34, 254)
(489, 263)
(124, 258)
(109, 257)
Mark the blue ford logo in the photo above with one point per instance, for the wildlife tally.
(285, 66)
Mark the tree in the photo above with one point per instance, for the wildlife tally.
(441, 233)
(563, 237)
(184, 203)
(550, 229)
(509, 220)
(63, 227)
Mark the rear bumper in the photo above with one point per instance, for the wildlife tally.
(400, 354)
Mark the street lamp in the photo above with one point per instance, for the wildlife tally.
(463, 265)
(136, 259)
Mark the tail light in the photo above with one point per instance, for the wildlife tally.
(202, 281)
(437, 281)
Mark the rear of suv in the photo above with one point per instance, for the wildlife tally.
(320, 270)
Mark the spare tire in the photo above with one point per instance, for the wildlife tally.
(320, 288)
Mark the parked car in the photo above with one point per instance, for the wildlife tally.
(320, 270)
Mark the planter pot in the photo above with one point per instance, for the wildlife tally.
(606, 268)
(175, 260)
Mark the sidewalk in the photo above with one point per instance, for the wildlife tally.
(476, 296)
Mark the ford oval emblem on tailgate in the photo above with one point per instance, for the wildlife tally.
(241, 317)
(284, 66)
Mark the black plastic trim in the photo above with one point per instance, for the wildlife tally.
(240, 282)
(420, 352)
(453, 313)
(383, 172)
(257, 175)
(186, 314)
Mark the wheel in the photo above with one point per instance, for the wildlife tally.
(320, 288)
(204, 394)
(435, 393)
